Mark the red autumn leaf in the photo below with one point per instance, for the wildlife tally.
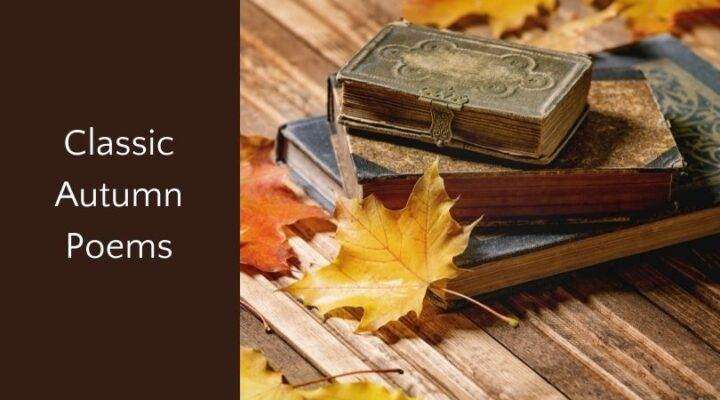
(267, 204)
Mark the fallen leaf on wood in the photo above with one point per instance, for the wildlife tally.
(438, 13)
(388, 258)
(267, 205)
(503, 15)
(649, 17)
(590, 34)
(357, 390)
(256, 150)
(259, 382)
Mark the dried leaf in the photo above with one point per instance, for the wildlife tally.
(258, 381)
(266, 206)
(438, 12)
(592, 33)
(388, 258)
(503, 15)
(256, 150)
(648, 17)
(687, 21)
(357, 390)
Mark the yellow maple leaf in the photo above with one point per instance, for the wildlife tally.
(655, 16)
(388, 258)
(357, 390)
(503, 15)
(259, 382)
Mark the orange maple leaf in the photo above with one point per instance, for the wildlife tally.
(649, 17)
(503, 15)
(267, 204)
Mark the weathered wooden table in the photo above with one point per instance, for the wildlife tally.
(640, 328)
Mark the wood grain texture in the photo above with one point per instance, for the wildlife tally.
(280, 355)
(289, 321)
(646, 327)
(677, 302)
(317, 30)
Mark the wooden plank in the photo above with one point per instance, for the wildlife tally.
(389, 10)
(633, 313)
(318, 31)
(707, 255)
(254, 121)
(679, 269)
(602, 355)
(373, 352)
(594, 331)
(317, 345)
(478, 355)
(615, 387)
(288, 48)
(553, 357)
(591, 336)
(376, 12)
(429, 360)
(667, 374)
(454, 338)
(279, 354)
(276, 88)
(690, 311)
(355, 25)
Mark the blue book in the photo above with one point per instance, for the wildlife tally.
(688, 91)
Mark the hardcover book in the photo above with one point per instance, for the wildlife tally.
(488, 96)
(688, 90)
(622, 160)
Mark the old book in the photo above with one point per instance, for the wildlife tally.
(622, 160)
(488, 96)
(304, 146)
(688, 90)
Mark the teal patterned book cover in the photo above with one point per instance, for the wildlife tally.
(688, 90)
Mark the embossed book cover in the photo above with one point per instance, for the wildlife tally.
(622, 160)
(492, 97)
(688, 90)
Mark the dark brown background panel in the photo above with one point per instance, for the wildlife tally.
(121, 329)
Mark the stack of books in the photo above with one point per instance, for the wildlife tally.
(570, 163)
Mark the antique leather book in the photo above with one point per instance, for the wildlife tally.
(688, 90)
(488, 96)
(622, 160)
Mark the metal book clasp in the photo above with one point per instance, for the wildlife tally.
(443, 104)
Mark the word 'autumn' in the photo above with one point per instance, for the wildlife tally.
(86, 143)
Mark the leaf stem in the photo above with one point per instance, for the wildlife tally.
(244, 304)
(510, 321)
(369, 371)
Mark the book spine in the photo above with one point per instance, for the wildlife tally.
(282, 143)
(341, 145)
